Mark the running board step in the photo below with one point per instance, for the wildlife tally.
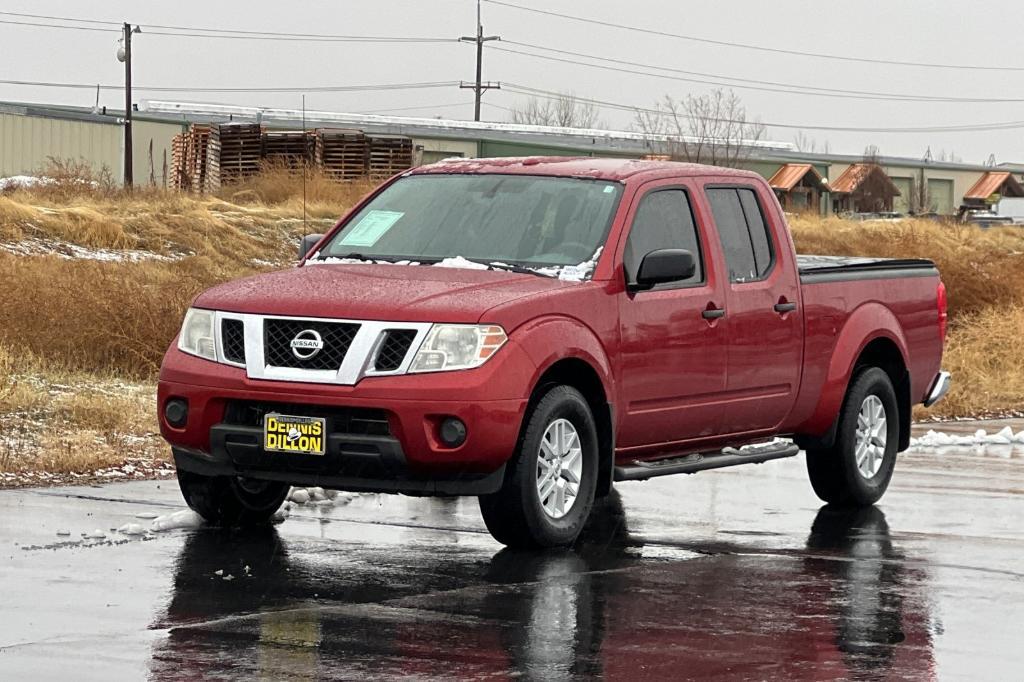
(691, 464)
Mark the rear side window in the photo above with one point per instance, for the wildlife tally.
(663, 220)
(743, 233)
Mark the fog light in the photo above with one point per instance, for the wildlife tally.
(453, 432)
(176, 412)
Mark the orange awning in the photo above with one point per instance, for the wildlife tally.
(993, 182)
(790, 175)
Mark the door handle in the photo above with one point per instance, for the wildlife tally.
(713, 313)
(784, 307)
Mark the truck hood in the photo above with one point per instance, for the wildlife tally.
(399, 293)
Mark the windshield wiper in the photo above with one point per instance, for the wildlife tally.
(357, 256)
(513, 267)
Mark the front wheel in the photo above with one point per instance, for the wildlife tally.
(550, 483)
(857, 469)
(232, 500)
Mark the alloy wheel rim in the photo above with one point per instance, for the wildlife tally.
(872, 432)
(559, 468)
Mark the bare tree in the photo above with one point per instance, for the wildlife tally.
(564, 111)
(809, 144)
(711, 128)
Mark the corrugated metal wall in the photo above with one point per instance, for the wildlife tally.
(160, 134)
(26, 142)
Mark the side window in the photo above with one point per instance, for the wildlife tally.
(759, 238)
(664, 220)
(743, 233)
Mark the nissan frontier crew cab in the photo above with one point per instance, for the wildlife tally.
(531, 331)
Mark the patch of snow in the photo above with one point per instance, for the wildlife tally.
(35, 246)
(132, 529)
(938, 439)
(186, 518)
(94, 535)
(146, 515)
(17, 181)
(228, 577)
(219, 571)
(299, 496)
(460, 263)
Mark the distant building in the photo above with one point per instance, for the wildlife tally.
(31, 133)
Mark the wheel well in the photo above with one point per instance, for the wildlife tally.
(584, 378)
(885, 355)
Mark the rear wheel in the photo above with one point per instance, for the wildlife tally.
(857, 469)
(550, 483)
(232, 500)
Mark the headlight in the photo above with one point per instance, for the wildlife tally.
(457, 346)
(196, 335)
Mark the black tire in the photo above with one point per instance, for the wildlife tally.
(230, 501)
(515, 515)
(834, 474)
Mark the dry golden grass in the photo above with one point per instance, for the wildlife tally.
(100, 316)
(986, 358)
(67, 422)
(281, 186)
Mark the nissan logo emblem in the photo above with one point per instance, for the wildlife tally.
(307, 344)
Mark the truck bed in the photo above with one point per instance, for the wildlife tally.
(815, 269)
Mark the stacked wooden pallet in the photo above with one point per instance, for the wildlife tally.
(234, 153)
(389, 154)
(341, 153)
(207, 157)
(290, 147)
(189, 151)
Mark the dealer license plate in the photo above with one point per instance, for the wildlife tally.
(298, 435)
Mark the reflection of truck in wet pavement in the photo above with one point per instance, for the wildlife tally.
(530, 330)
(847, 605)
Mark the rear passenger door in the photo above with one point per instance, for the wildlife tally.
(765, 340)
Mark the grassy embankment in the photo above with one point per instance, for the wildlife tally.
(81, 339)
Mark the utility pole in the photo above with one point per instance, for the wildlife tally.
(124, 54)
(479, 87)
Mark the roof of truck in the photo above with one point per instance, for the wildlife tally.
(580, 166)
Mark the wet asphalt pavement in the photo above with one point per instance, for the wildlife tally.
(731, 574)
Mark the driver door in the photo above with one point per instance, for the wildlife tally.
(672, 369)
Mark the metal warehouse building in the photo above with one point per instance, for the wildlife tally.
(30, 134)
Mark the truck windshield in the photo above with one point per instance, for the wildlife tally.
(546, 224)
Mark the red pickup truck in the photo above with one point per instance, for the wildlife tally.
(530, 331)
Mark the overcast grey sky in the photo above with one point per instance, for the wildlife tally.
(937, 31)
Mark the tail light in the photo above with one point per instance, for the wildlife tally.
(940, 296)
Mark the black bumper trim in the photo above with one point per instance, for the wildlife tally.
(396, 480)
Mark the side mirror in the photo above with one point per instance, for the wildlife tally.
(665, 265)
(307, 243)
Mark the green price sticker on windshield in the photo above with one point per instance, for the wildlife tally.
(371, 228)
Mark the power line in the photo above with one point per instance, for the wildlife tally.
(237, 34)
(551, 95)
(759, 48)
(47, 16)
(826, 92)
(315, 88)
(813, 90)
(70, 28)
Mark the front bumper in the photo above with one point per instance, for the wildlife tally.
(406, 455)
(939, 388)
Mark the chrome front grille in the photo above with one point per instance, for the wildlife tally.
(350, 350)
(278, 335)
